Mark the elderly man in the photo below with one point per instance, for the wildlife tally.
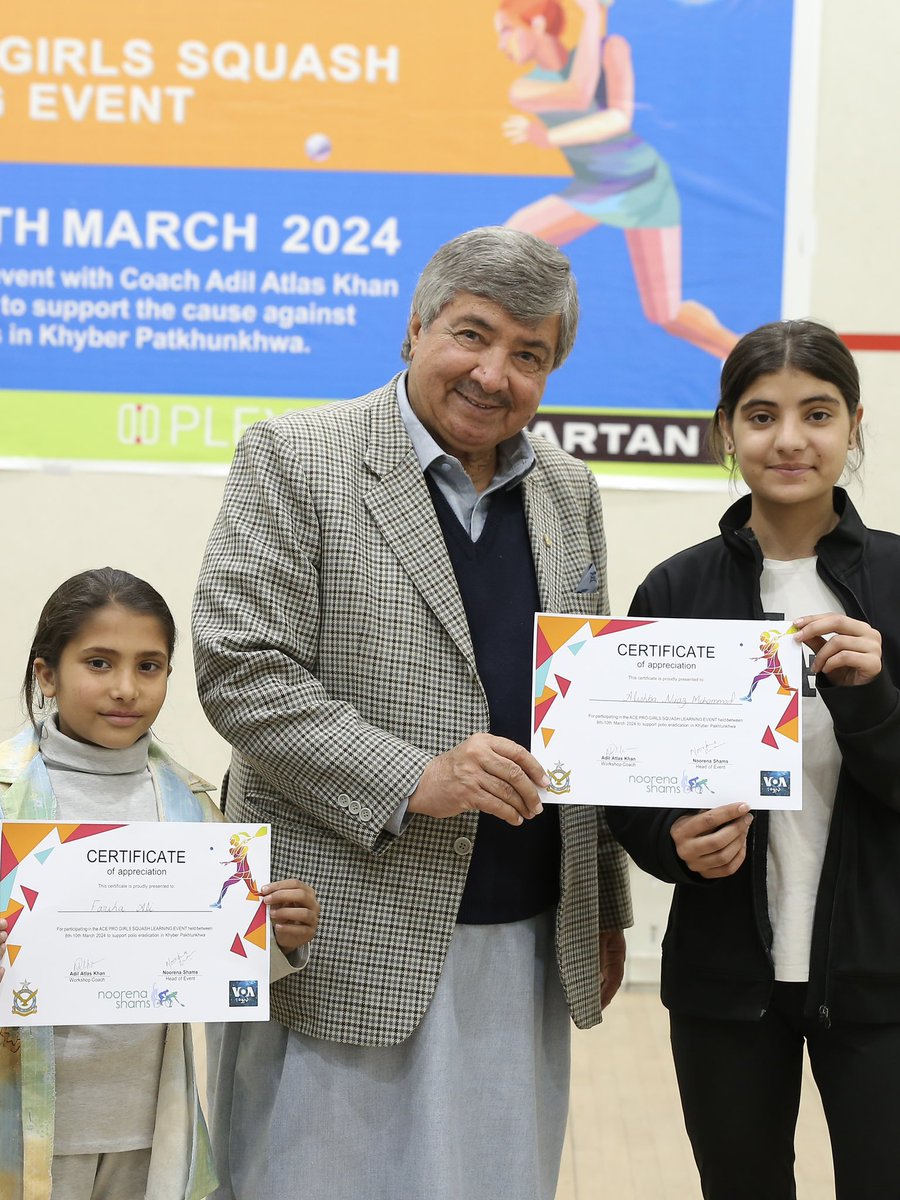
(363, 633)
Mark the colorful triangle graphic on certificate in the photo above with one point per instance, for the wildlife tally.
(542, 706)
(72, 833)
(19, 839)
(789, 725)
(608, 625)
(553, 633)
(257, 929)
(12, 915)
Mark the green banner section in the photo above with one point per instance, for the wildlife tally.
(202, 431)
(137, 429)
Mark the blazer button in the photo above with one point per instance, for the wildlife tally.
(343, 800)
(463, 846)
(365, 814)
(353, 807)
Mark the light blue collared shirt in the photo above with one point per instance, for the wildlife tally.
(515, 458)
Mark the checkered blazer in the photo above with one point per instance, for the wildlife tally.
(333, 653)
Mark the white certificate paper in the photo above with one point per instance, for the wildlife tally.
(140, 922)
(667, 713)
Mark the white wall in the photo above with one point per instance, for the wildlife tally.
(156, 526)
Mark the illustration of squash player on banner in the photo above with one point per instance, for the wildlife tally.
(238, 849)
(581, 102)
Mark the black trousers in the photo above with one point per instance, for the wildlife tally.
(740, 1092)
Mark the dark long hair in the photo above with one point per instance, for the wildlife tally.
(797, 345)
(73, 602)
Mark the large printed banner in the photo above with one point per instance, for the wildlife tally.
(213, 211)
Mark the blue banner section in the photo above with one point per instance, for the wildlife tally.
(296, 283)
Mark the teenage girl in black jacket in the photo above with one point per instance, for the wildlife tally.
(785, 926)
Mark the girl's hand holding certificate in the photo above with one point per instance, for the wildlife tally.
(293, 911)
(713, 843)
(848, 652)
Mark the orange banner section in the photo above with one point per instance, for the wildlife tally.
(393, 86)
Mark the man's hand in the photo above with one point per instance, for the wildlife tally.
(713, 843)
(484, 773)
(612, 963)
(293, 911)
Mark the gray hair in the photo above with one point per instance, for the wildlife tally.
(525, 275)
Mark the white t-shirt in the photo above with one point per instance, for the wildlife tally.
(797, 839)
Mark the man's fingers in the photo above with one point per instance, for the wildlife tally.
(505, 779)
(508, 782)
(517, 754)
(612, 964)
(486, 773)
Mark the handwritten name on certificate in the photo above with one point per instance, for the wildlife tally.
(140, 922)
(667, 713)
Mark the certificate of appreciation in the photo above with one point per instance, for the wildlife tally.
(667, 713)
(140, 922)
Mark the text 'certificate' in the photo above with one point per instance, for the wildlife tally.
(140, 922)
(667, 713)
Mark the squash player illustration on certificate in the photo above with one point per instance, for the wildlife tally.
(633, 711)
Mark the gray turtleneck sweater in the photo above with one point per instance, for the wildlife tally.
(106, 1075)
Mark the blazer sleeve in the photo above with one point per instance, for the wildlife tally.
(256, 626)
(614, 887)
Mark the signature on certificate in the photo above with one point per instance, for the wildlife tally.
(178, 960)
(85, 964)
(706, 748)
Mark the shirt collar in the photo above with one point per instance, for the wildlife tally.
(515, 455)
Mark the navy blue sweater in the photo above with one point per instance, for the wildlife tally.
(514, 872)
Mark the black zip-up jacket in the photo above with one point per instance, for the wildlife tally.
(717, 959)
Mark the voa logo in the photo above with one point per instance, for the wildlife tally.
(774, 783)
(243, 993)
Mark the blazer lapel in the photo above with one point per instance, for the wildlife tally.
(401, 506)
(546, 542)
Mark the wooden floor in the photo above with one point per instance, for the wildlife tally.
(626, 1138)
